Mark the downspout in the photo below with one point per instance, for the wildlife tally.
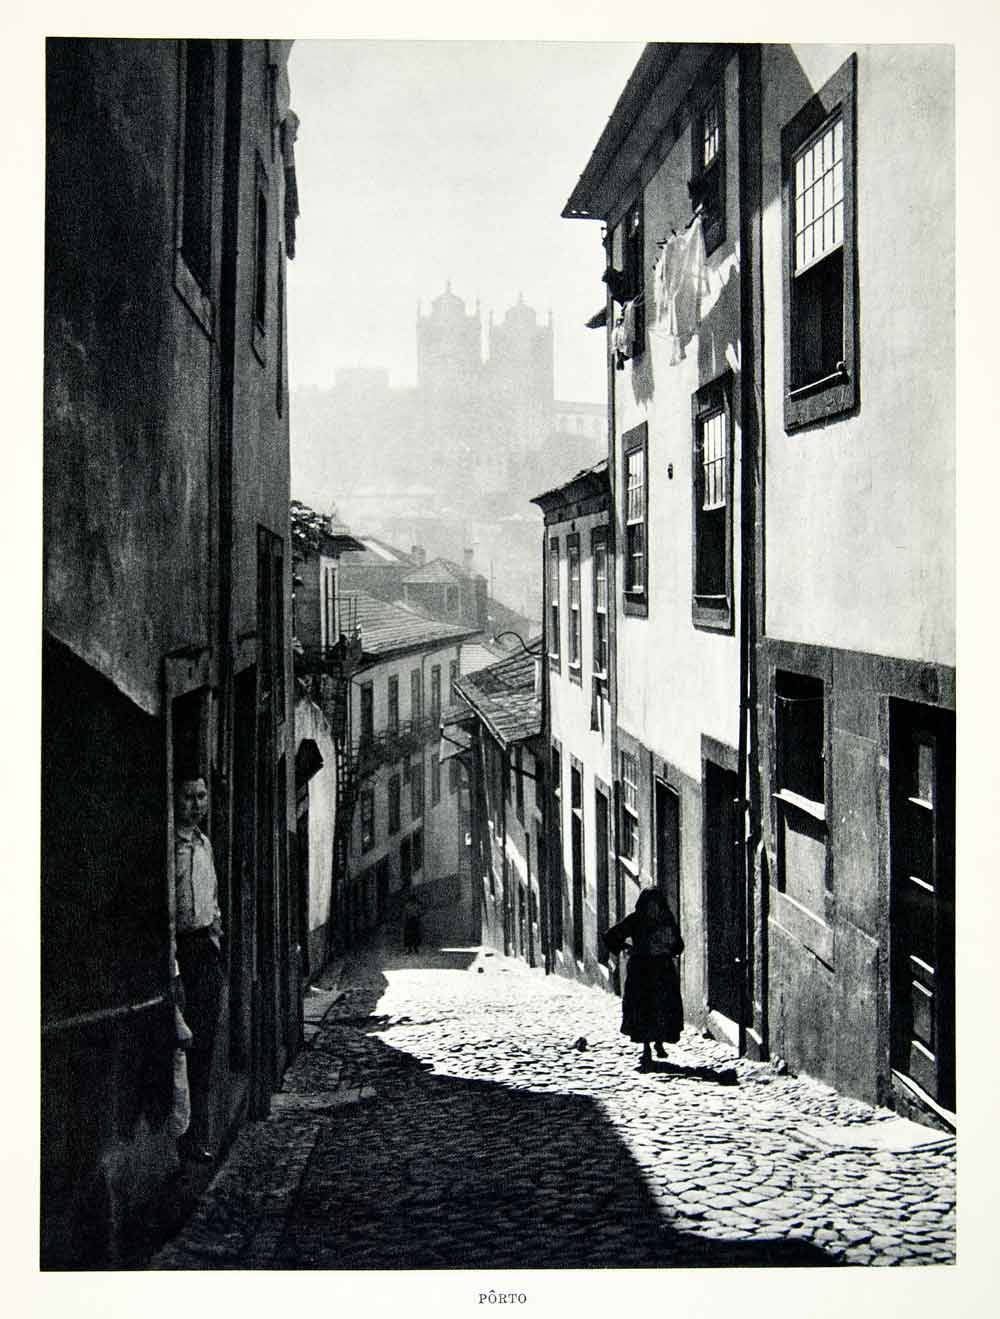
(545, 896)
(752, 434)
(504, 867)
(613, 585)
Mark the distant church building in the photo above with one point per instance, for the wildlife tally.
(451, 464)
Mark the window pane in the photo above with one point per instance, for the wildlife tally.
(819, 191)
(714, 462)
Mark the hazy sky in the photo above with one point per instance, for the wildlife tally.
(420, 162)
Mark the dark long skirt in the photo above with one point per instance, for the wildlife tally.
(651, 1005)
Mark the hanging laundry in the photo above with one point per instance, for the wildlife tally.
(623, 334)
(680, 281)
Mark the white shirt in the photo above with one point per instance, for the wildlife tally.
(196, 888)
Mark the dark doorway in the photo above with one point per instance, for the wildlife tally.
(576, 839)
(603, 843)
(382, 889)
(922, 897)
(668, 846)
(405, 871)
(725, 906)
(302, 877)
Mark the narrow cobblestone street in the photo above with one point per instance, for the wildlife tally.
(454, 1109)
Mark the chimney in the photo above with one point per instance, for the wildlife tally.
(418, 554)
(468, 554)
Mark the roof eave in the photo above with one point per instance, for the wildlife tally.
(646, 106)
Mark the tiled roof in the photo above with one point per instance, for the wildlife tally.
(480, 654)
(504, 697)
(438, 570)
(386, 627)
(381, 552)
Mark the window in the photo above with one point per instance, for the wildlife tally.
(451, 599)
(417, 850)
(393, 804)
(554, 602)
(435, 778)
(416, 697)
(407, 771)
(519, 782)
(630, 808)
(417, 789)
(636, 507)
(196, 205)
(707, 185)
(712, 489)
(392, 715)
(800, 804)
(573, 568)
(452, 678)
(818, 160)
(328, 606)
(367, 713)
(193, 213)
(453, 774)
(599, 560)
(436, 693)
(367, 819)
(798, 724)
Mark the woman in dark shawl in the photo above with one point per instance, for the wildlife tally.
(652, 1011)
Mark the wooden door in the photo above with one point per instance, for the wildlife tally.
(725, 906)
(668, 846)
(922, 897)
(603, 843)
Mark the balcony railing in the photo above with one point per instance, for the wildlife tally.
(391, 744)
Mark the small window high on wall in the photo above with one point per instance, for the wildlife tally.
(712, 472)
(636, 520)
(820, 306)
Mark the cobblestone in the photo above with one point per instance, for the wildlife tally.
(443, 1118)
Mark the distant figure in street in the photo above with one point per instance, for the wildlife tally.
(652, 1011)
(199, 951)
(411, 924)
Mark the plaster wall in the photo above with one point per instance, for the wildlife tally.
(675, 680)
(862, 508)
(310, 723)
(440, 823)
(401, 667)
(570, 711)
(128, 427)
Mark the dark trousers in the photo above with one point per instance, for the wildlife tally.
(203, 977)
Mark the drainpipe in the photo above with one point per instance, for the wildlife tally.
(752, 435)
(545, 889)
(612, 585)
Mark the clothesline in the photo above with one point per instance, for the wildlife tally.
(673, 232)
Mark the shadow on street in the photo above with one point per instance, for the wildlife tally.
(445, 1172)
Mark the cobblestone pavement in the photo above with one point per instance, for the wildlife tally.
(455, 1109)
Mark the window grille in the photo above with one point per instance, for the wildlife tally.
(819, 197)
(630, 805)
(600, 562)
(713, 459)
(635, 466)
(710, 135)
(573, 559)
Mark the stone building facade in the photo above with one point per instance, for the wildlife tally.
(170, 214)
(781, 465)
